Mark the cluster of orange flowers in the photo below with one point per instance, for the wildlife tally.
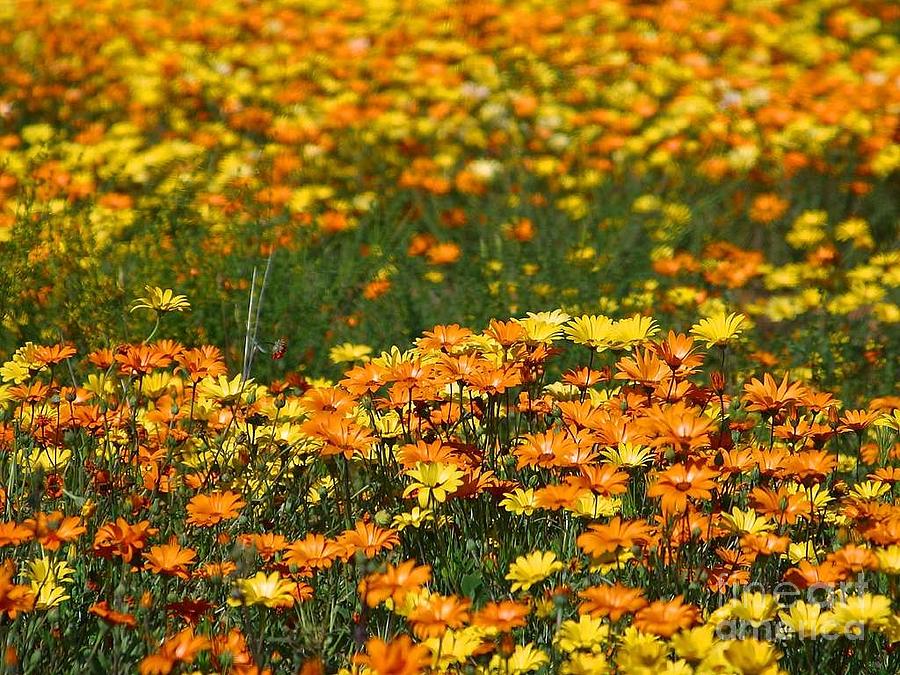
(637, 494)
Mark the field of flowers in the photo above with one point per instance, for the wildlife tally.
(385, 337)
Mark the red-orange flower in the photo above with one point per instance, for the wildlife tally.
(13, 534)
(768, 397)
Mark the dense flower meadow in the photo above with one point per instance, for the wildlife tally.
(485, 156)
(461, 506)
(261, 409)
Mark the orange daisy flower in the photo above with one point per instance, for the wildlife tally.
(613, 601)
(181, 648)
(443, 338)
(13, 534)
(396, 582)
(212, 509)
(313, 552)
(666, 618)
(170, 560)
(398, 657)
(438, 613)
(53, 529)
(369, 538)
(616, 534)
(120, 539)
(768, 397)
(14, 598)
(111, 616)
(503, 616)
(682, 481)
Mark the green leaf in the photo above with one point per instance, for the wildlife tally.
(470, 583)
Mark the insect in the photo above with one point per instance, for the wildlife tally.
(279, 348)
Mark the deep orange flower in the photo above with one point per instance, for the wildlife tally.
(645, 368)
(784, 506)
(139, 360)
(53, 529)
(806, 574)
(111, 616)
(313, 551)
(339, 435)
(507, 333)
(494, 381)
(329, 400)
(857, 420)
(218, 570)
(543, 449)
(364, 379)
(678, 426)
(666, 618)
(13, 534)
(886, 474)
(436, 451)
(443, 253)
(438, 613)
(583, 377)
(555, 497)
(602, 479)
(102, 358)
(170, 560)
(266, 544)
(212, 509)
(395, 582)
(231, 654)
(617, 534)
(678, 483)
(14, 598)
(398, 657)
(771, 463)
(369, 538)
(810, 466)
(120, 539)
(611, 601)
(679, 353)
(768, 397)
(853, 559)
(49, 356)
(503, 616)
(202, 362)
(180, 648)
(443, 338)
(767, 208)
(766, 543)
